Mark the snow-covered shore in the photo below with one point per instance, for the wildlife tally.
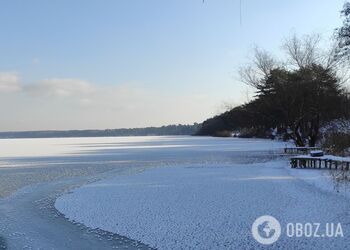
(209, 204)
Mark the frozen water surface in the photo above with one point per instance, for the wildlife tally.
(160, 192)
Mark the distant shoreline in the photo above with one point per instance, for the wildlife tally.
(147, 131)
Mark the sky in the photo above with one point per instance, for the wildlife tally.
(90, 64)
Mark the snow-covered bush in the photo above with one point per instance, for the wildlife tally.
(335, 137)
(336, 126)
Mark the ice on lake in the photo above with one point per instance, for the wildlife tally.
(166, 192)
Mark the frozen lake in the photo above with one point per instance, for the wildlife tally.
(29, 161)
(160, 192)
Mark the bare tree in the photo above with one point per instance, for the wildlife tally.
(262, 64)
(307, 50)
(302, 52)
(329, 57)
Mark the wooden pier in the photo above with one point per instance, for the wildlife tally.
(300, 150)
(327, 162)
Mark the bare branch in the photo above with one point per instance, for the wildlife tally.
(260, 69)
(249, 76)
(263, 61)
(329, 57)
(302, 52)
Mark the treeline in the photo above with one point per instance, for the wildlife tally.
(293, 104)
(148, 131)
(294, 96)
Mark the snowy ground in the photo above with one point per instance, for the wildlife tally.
(163, 192)
(210, 205)
(205, 207)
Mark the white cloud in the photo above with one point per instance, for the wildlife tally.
(65, 103)
(60, 87)
(9, 82)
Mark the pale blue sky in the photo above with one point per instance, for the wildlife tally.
(68, 64)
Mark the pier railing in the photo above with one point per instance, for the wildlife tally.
(327, 161)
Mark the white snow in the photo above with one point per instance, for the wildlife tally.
(28, 161)
(170, 207)
(323, 179)
(37, 147)
(318, 178)
(325, 157)
(316, 152)
(40, 147)
(208, 204)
